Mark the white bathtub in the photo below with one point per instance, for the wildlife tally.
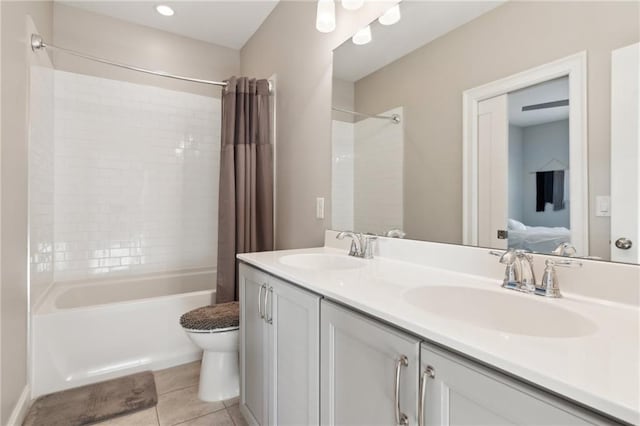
(93, 331)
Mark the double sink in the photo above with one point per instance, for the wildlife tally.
(494, 309)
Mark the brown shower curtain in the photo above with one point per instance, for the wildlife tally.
(245, 217)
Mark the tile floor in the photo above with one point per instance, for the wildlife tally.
(178, 403)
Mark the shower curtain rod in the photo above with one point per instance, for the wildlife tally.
(37, 43)
(395, 118)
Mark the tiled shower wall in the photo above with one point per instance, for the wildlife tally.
(342, 139)
(378, 171)
(368, 174)
(136, 178)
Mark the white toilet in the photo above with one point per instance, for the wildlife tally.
(214, 329)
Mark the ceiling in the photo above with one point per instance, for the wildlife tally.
(548, 91)
(422, 22)
(226, 23)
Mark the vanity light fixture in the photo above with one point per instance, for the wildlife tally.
(352, 4)
(363, 36)
(164, 10)
(391, 16)
(326, 16)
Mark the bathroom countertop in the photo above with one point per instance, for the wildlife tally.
(599, 370)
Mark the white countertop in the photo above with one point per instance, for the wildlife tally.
(600, 370)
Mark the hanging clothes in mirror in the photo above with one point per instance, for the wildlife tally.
(550, 189)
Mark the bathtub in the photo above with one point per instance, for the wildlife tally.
(87, 332)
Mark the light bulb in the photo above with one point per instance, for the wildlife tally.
(352, 4)
(391, 16)
(363, 36)
(326, 16)
(164, 10)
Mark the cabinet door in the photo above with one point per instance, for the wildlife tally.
(460, 392)
(253, 347)
(294, 370)
(359, 358)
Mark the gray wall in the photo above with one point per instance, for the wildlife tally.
(515, 174)
(14, 131)
(541, 144)
(287, 44)
(511, 38)
(138, 45)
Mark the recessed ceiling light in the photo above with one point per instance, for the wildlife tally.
(164, 10)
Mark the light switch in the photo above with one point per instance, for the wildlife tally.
(320, 208)
(603, 205)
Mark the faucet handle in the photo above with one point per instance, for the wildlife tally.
(550, 285)
(368, 243)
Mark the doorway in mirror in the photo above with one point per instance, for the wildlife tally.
(525, 152)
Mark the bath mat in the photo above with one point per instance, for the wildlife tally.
(94, 403)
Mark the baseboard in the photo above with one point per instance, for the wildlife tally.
(20, 410)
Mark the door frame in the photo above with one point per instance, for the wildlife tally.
(574, 67)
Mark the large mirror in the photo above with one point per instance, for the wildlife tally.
(499, 124)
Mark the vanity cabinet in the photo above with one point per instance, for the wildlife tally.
(369, 370)
(456, 391)
(306, 361)
(279, 351)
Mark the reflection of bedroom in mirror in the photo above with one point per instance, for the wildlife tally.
(538, 167)
(564, 168)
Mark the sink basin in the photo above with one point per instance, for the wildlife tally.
(501, 311)
(322, 261)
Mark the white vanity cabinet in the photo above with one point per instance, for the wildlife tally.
(306, 360)
(367, 370)
(279, 351)
(456, 391)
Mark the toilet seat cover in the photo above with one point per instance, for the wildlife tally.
(211, 318)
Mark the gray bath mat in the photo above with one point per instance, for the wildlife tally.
(94, 403)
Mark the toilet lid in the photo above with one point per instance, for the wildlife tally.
(212, 318)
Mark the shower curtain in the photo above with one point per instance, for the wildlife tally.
(245, 216)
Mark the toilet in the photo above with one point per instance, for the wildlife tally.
(214, 329)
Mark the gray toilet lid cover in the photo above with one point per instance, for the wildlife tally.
(214, 317)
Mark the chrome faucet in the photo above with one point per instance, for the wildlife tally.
(528, 278)
(361, 245)
(519, 274)
(512, 272)
(565, 249)
(395, 233)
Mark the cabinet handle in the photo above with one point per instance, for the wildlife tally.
(260, 311)
(268, 318)
(401, 418)
(429, 373)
